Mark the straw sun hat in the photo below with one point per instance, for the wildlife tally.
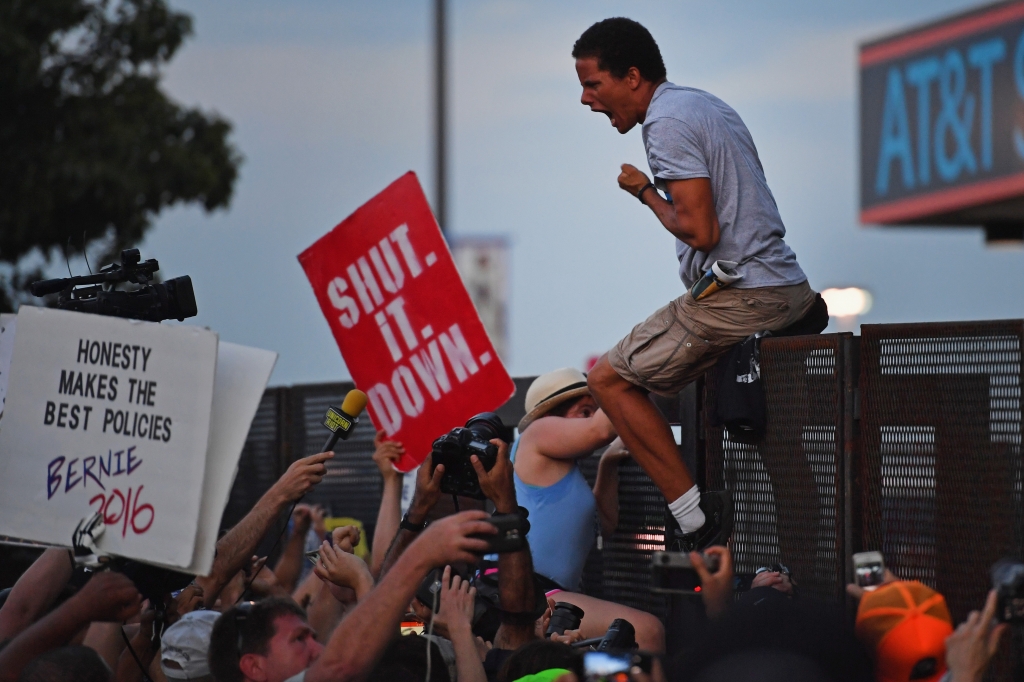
(550, 390)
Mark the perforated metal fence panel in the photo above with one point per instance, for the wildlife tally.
(940, 466)
(788, 491)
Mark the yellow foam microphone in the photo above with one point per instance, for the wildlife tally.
(342, 421)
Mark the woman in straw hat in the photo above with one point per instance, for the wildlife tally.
(563, 425)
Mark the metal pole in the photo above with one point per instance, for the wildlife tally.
(440, 116)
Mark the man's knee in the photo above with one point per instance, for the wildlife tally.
(602, 378)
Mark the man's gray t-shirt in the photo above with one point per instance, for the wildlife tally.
(689, 134)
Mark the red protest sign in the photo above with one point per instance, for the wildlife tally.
(404, 321)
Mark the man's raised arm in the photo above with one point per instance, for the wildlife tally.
(515, 569)
(359, 641)
(428, 492)
(690, 216)
(236, 548)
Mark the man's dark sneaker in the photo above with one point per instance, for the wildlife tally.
(717, 508)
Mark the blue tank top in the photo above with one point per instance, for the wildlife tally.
(563, 525)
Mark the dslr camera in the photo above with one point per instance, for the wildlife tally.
(1008, 582)
(455, 448)
(98, 293)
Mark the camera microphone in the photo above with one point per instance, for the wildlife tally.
(341, 421)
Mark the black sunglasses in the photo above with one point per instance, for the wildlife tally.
(241, 614)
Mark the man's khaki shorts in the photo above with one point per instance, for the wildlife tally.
(681, 341)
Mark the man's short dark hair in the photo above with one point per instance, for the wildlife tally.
(619, 43)
(67, 664)
(245, 628)
(540, 655)
(405, 660)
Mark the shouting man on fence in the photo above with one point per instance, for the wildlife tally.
(718, 206)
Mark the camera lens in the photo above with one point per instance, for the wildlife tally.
(566, 616)
(488, 425)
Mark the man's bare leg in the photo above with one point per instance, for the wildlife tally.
(643, 429)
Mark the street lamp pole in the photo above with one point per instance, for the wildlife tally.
(440, 116)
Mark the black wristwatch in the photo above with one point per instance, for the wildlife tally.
(640, 194)
(410, 526)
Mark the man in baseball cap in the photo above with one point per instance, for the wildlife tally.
(184, 647)
(904, 625)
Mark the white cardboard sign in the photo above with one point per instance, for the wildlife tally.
(112, 415)
(242, 376)
(7, 327)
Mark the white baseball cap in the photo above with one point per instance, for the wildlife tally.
(185, 645)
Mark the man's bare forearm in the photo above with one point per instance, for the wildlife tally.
(403, 538)
(52, 631)
(289, 566)
(388, 518)
(35, 591)
(236, 548)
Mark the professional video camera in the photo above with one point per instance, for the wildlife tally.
(454, 449)
(1008, 582)
(173, 299)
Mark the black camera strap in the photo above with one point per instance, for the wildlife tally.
(138, 661)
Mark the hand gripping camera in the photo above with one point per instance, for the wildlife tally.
(454, 449)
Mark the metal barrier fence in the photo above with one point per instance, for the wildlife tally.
(917, 454)
(789, 491)
(940, 465)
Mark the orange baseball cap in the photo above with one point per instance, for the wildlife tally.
(904, 625)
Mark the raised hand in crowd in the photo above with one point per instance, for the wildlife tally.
(498, 484)
(239, 543)
(386, 452)
(346, 538)
(857, 592)
(300, 477)
(35, 591)
(108, 596)
(344, 569)
(455, 615)
(774, 579)
(428, 492)
(515, 569)
(716, 588)
(190, 599)
(263, 582)
(289, 565)
(361, 638)
(142, 645)
(970, 648)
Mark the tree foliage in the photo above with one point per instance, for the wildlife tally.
(90, 144)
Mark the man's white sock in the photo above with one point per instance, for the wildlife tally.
(687, 511)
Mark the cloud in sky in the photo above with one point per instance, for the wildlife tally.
(331, 102)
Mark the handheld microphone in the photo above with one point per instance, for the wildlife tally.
(341, 421)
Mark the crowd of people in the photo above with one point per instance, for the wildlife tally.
(430, 601)
(480, 617)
